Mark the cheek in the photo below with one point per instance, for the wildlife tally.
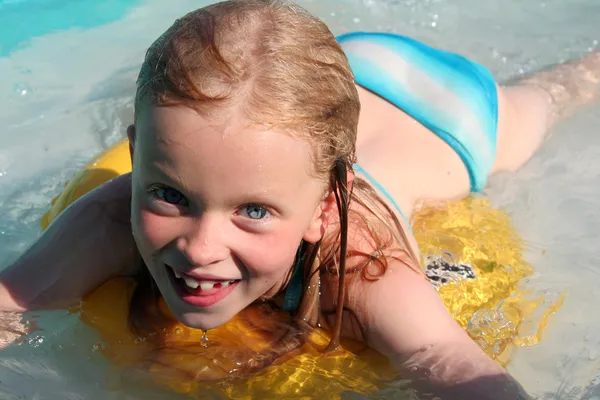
(149, 229)
(158, 230)
(273, 254)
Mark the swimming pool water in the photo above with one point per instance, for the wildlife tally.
(68, 69)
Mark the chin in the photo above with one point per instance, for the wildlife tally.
(203, 321)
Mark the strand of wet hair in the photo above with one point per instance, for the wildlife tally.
(309, 310)
(396, 227)
(340, 190)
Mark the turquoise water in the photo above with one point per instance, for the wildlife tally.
(24, 20)
(68, 71)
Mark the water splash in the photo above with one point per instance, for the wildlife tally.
(97, 347)
(204, 339)
(21, 89)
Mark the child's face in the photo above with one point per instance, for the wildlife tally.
(224, 207)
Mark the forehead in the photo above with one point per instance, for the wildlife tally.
(180, 139)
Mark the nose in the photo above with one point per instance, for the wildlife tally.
(204, 241)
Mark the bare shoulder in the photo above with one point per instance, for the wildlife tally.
(107, 210)
(115, 195)
(89, 243)
(387, 293)
(402, 311)
(406, 320)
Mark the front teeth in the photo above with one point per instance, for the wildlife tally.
(204, 285)
(192, 283)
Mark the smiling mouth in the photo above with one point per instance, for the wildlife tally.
(204, 284)
(200, 292)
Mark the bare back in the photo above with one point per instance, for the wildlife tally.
(409, 160)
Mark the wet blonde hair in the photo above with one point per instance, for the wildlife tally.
(275, 65)
(270, 62)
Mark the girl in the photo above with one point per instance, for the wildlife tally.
(255, 179)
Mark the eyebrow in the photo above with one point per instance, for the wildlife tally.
(155, 168)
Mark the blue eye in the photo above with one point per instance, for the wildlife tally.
(256, 212)
(169, 195)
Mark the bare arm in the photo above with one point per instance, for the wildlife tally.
(532, 105)
(408, 322)
(89, 243)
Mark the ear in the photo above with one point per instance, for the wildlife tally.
(131, 137)
(321, 218)
(324, 212)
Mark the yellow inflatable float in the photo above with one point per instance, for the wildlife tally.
(470, 253)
